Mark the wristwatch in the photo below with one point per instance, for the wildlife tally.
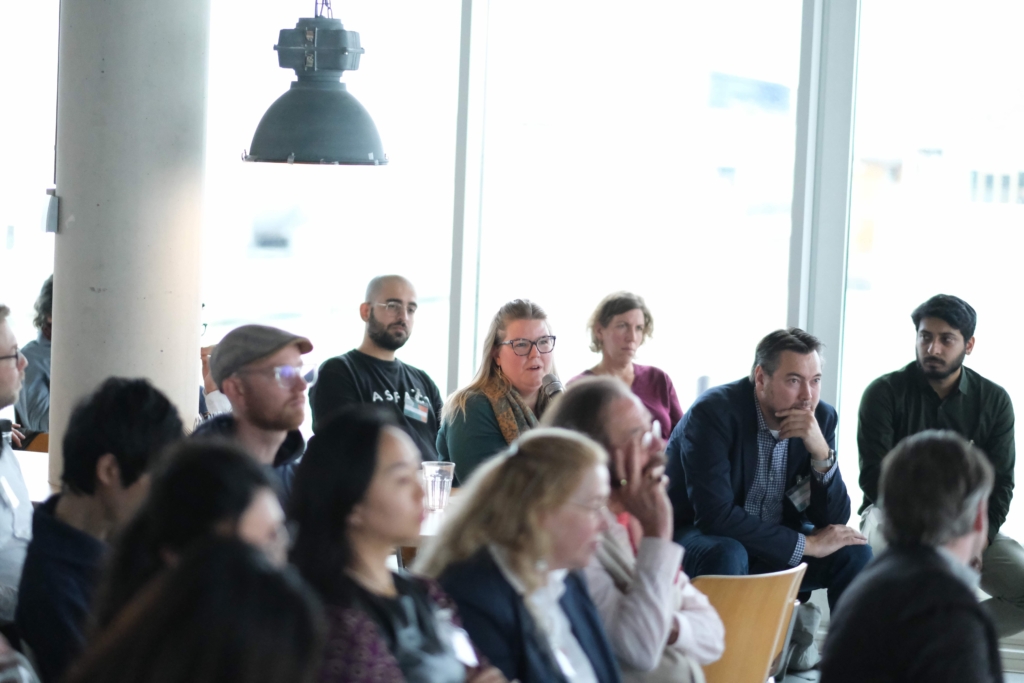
(826, 464)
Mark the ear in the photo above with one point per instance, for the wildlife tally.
(759, 377)
(969, 346)
(108, 472)
(364, 311)
(355, 518)
(233, 389)
(981, 518)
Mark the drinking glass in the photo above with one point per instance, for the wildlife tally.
(437, 482)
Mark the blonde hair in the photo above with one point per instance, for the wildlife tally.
(487, 372)
(617, 304)
(504, 502)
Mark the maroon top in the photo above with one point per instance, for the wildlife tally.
(654, 389)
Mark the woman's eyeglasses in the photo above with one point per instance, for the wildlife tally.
(522, 347)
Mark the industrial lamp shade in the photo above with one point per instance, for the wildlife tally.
(317, 121)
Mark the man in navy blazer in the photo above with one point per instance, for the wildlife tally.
(754, 479)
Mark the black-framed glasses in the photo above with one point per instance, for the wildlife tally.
(522, 347)
(16, 355)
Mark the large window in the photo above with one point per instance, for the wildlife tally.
(294, 246)
(28, 118)
(649, 147)
(938, 200)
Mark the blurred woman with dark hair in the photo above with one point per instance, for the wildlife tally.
(619, 325)
(357, 497)
(223, 614)
(205, 488)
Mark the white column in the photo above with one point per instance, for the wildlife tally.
(131, 120)
(821, 187)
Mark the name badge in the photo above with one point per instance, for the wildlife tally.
(800, 494)
(463, 648)
(415, 410)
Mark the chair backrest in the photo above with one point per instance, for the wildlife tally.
(756, 611)
(40, 443)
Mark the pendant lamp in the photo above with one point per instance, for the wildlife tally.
(317, 121)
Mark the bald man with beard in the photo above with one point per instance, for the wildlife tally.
(372, 373)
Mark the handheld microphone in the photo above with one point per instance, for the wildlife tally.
(551, 386)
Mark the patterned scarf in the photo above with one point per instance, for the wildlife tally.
(514, 416)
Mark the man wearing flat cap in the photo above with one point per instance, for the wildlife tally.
(259, 369)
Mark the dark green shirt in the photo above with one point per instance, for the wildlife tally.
(902, 403)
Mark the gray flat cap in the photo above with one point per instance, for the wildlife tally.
(249, 343)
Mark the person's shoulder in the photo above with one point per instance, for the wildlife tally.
(895, 381)
(724, 397)
(218, 426)
(421, 374)
(906, 577)
(986, 385)
(345, 360)
(476, 575)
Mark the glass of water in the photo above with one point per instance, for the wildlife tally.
(437, 482)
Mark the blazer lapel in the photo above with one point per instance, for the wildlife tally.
(798, 455)
(748, 456)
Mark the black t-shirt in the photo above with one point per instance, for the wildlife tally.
(358, 378)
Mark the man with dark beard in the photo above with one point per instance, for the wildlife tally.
(259, 369)
(937, 391)
(372, 374)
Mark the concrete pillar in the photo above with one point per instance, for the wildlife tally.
(131, 120)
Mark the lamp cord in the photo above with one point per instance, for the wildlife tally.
(322, 7)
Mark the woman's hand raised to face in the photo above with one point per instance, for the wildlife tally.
(489, 675)
(642, 485)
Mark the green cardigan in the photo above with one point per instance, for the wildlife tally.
(469, 438)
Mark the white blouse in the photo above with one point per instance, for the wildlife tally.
(545, 606)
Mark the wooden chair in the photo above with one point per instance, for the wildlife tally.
(757, 611)
(40, 443)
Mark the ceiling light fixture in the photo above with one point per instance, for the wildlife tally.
(317, 121)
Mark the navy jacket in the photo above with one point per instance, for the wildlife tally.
(501, 626)
(908, 617)
(57, 584)
(712, 460)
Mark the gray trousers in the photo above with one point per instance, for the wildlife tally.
(1002, 574)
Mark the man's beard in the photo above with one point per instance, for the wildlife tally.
(380, 336)
(284, 420)
(944, 371)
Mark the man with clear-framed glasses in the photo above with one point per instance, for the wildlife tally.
(259, 368)
(372, 373)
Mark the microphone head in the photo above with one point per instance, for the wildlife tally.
(551, 385)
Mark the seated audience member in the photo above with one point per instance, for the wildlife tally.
(15, 504)
(212, 400)
(912, 615)
(203, 489)
(618, 327)
(112, 440)
(357, 498)
(756, 486)
(222, 614)
(372, 374)
(937, 391)
(506, 397)
(509, 554)
(661, 627)
(259, 369)
(33, 406)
